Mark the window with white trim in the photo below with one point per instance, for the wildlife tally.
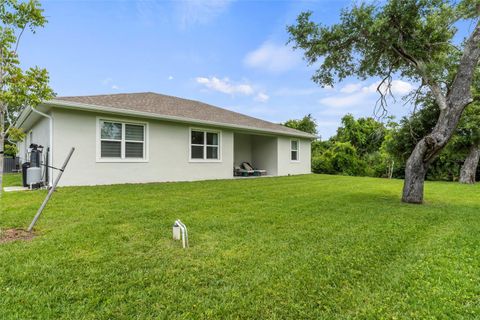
(204, 145)
(122, 140)
(294, 150)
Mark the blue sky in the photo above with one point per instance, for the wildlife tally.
(231, 54)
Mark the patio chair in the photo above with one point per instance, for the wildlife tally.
(256, 172)
(242, 172)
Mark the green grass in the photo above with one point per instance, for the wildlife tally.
(12, 180)
(300, 247)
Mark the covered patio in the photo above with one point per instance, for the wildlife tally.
(258, 150)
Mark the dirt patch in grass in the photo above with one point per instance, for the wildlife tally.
(10, 235)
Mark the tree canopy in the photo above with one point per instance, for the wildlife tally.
(306, 124)
(411, 38)
(18, 88)
(365, 134)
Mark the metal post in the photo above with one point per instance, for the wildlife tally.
(50, 192)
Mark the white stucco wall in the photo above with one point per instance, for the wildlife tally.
(285, 165)
(40, 132)
(168, 153)
(242, 148)
(22, 150)
(264, 154)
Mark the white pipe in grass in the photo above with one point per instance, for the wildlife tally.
(180, 231)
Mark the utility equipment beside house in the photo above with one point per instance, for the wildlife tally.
(33, 177)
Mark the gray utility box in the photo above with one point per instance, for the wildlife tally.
(34, 175)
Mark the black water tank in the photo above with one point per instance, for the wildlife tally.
(25, 166)
(35, 155)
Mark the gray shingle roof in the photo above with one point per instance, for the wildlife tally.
(165, 105)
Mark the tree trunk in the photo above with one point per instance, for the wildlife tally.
(469, 167)
(426, 151)
(451, 108)
(415, 172)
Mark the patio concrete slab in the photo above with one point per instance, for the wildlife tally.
(14, 189)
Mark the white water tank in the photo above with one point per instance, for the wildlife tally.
(34, 175)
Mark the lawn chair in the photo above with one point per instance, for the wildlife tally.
(256, 172)
(243, 172)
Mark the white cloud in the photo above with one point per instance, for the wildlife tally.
(401, 87)
(170, 77)
(398, 87)
(115, 87)
(350, 88)
(342, 101)
(262, 97)
(225, 86)
(355, 94)
(272, 57)
(193, 12)
(359, 99)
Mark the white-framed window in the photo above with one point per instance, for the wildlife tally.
(294, 150)
(121, 141)
(204, 145)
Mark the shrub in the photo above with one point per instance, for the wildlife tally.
(341, 158)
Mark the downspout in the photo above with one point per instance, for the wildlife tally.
(50, 156)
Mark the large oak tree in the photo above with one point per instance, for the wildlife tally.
(412, 39)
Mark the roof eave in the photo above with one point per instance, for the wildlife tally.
(91, 107)
(22, 117)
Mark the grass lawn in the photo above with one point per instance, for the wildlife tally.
(313, 246)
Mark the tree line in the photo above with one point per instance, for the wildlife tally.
(369, 147)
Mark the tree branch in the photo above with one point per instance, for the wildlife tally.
(18, 38)
(412, 98)
(380, 106)
(422, 69)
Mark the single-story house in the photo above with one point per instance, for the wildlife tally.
(150, 137)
